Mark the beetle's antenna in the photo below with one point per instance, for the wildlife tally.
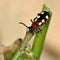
(23, 24)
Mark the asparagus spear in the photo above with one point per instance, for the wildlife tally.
(40, 37)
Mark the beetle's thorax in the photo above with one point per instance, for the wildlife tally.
(35, 24)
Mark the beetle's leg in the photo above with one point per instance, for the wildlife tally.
(35, 19)
(38, 30)
(31, 20)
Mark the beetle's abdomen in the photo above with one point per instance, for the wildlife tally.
(43, 16)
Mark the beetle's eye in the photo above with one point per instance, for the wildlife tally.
(46, 17)
(40, 23)
(43, 21)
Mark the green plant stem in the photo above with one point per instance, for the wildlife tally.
(28, 36)
(17, 54)
(40, 37)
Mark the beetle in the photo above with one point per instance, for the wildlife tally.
(39, 20)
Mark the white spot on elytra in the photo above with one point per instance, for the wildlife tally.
(35, 19)
(42, 12)
(38, 16)
(43, 21)
(40, 23)
(46, 17)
